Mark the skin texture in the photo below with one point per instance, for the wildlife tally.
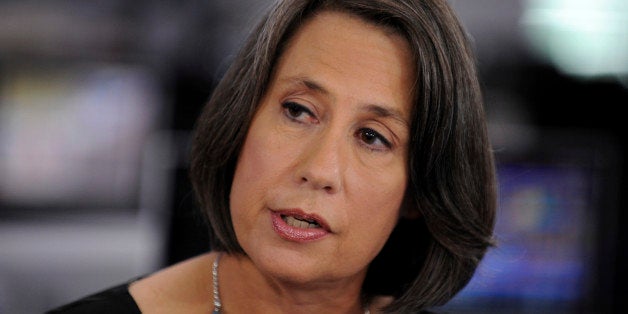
(329, 139)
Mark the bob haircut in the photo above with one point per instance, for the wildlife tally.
(451, 184)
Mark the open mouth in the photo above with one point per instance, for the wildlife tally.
(299, 222)
(297, 226)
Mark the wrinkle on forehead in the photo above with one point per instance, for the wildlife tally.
(381, 56)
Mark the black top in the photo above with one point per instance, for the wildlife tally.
(112, 300)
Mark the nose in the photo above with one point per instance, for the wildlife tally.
(320, 166)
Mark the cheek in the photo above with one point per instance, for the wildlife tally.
(382, 209)
(380, 191)
(245, 197)
(377, 207)
(248, 168)
(256, 170)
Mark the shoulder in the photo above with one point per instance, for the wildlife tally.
(112, 300)
(185, 285)
(181, 286)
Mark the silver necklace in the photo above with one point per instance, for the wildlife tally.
(217, 303)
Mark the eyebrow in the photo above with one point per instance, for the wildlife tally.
(386, 112)
(310, 84)
(377, 109)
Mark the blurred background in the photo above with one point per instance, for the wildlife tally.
(98, 98)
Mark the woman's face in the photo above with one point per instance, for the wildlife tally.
(322, 174)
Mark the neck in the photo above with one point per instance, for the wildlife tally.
(246, 289)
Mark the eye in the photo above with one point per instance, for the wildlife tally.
(297, 112)
(373, 139)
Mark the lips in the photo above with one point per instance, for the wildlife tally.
(297, 226)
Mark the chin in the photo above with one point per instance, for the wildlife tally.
(303, 268)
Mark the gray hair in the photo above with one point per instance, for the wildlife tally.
(427, 260)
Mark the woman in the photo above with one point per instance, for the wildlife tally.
(343, 165)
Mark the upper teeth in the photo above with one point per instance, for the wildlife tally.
(294, 222)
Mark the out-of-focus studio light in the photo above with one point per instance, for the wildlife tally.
(585, 38)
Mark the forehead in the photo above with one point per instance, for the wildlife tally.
(352, 57)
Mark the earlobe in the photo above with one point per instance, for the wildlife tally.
(379, 302)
